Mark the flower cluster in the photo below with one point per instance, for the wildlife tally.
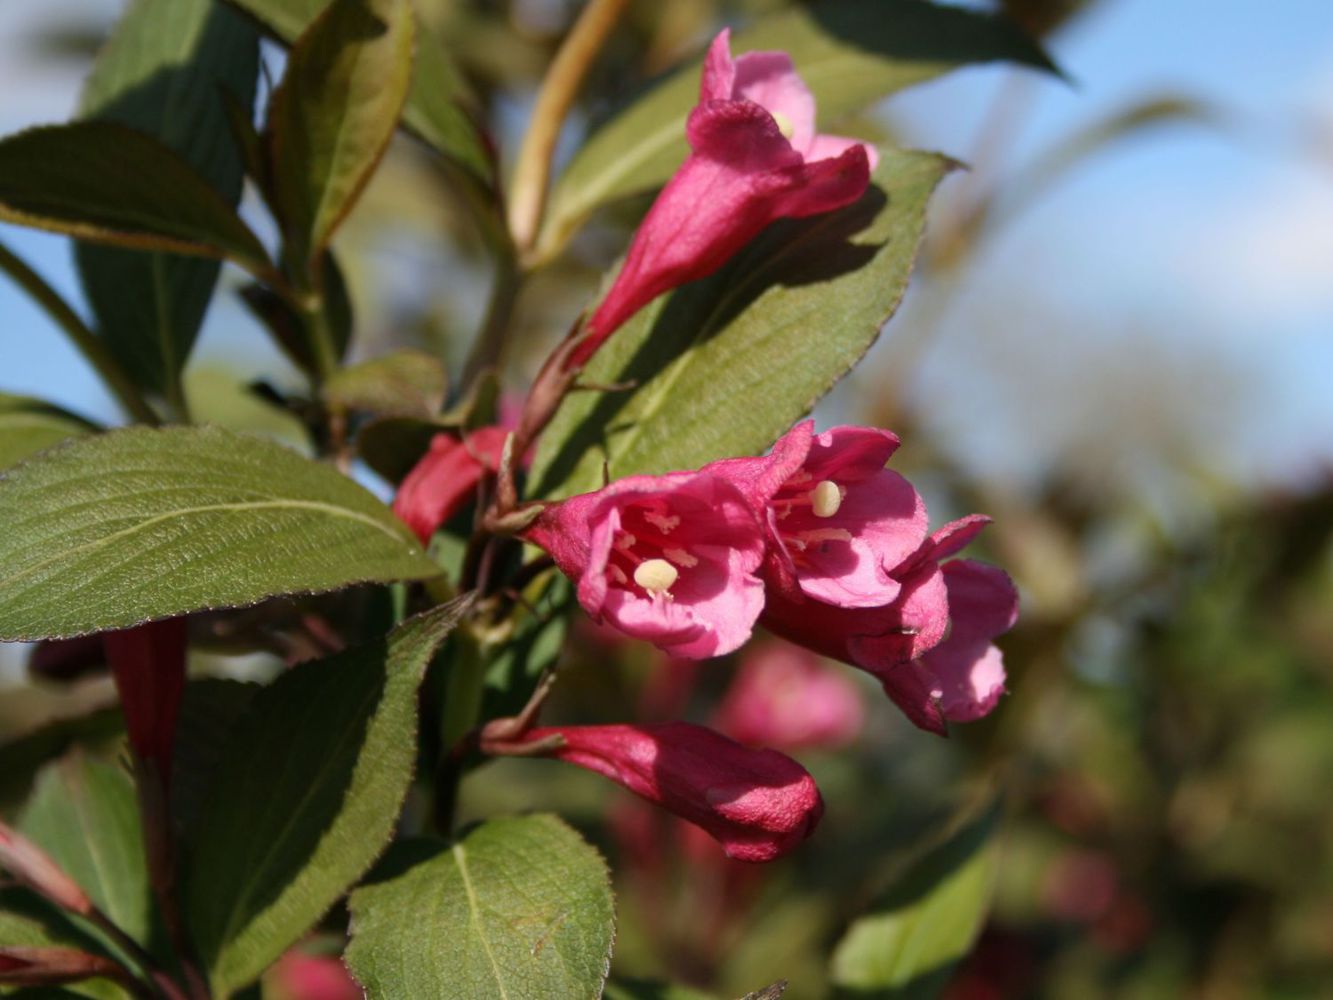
(817, 541)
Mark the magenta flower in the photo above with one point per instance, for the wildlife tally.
(755, 158)
(838, 521)
(758, 804)
(299, 976)
(444, 479)
(787, 698)
(930, 647)
(672, 559)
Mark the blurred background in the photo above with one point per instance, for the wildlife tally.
(1119, 344)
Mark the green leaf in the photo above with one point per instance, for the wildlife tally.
(29, 425)
(22, 757)
(645, 989)
(926, 923)
(520, 908)
(331, 118)
(85, 815)
(405, 383)
(107, 183)
(164, 72)
(726, 364)
(29, 922)
(138, 524)
(438, 103)
(305, 798)
(850, 53)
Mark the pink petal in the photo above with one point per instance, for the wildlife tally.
(827, 147)
(719, 74)
(769, 79)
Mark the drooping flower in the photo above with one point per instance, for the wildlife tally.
(909, 644)
(672, 559)
(839, 522)
(444, 479)
(758, 804)
(148, 664)
(755, 158)
(787, 698)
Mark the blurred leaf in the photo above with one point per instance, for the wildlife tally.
(850, 53)
(108, 183)
(85, 815)
(29, 922)
(436, 108)
(926, 923)
(726, 364)
(28, 425)
(164, 72)
(773, 992)
(538, 639)
(139, 524)
(22, 757)
(646, 989)
(520, 908)
(305, 797)
(331, 118)
(405, 383)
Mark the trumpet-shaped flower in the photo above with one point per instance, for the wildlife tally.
(758, 804)
(755, 157)
(672, 559)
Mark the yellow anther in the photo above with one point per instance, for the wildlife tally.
(825, 499)
(785, 125)
(655, 576)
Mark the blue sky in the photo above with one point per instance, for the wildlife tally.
(1188, 269)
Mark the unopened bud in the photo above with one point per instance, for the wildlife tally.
(52, 966)
(33, 867)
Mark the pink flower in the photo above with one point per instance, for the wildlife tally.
(758, 804)
(756, 158)
(299, 976)
(148, 664)
(839, 522)
(672, 559)
(930, 647)
(787, 698)
(443, 481)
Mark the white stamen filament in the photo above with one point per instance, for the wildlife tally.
(826, 499)
(656, 576)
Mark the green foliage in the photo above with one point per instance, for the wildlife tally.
(519, 908)
(138, 524)
(724, 365)
(84, 814)
(331, 119)
(644, 989)
(164, 72)
(108, 183)
(927, 922)
(438, 103)
(850, 53)
(304, 798)
(405, 383)
(29, 425)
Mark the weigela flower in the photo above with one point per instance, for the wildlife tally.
(755, 158)
(838, 521)
(299, 976)
(787, 698)
(444, 479)
(909, 643)
(148, 664)
(671, 559)
(758, 804)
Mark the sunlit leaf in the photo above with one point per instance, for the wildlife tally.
(28, 425)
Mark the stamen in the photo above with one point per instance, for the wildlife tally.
(617, 574)
(785, 125)
(625, 541)
(826, 499)
(680, 557)
(656, 576)
(664, 523)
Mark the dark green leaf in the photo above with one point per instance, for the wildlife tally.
(331, 119)
(138, 524)
(850, 53)
(725, 365)
(437, 105)
(210, 710)
(908, 946)
(164, 72)
(85, 815)
(305, 798)
(644, 989)
(108, 183)
(405, 383)
(28, 425)
(22, 757)
(520, 908)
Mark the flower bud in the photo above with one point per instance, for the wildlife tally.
(21, 966)
(758, 804)
(148, 664)
(34, 868)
